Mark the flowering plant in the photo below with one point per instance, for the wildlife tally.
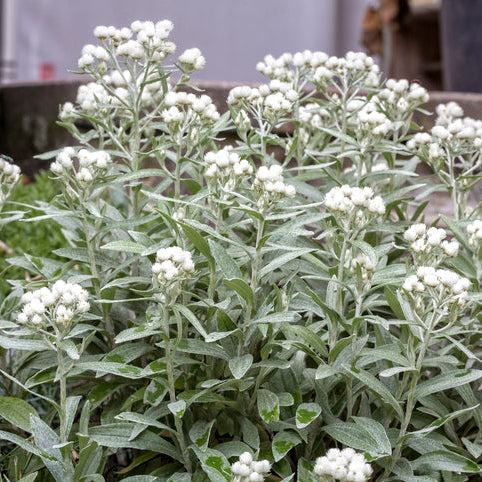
(274, 309)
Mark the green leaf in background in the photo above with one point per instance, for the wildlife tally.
(214, 464)
(446, 381)
(200, 432)
(306, 413)
(250, 433)
(282, 443)
(240, 365)
(445, 460)
(17, 412)
(359, 436)
(177, 408)
(241, 288)
(377, 387)
(268, 406)
(224, 262)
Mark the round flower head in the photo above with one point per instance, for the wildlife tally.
(440, 287)
(269, 186)
(353, 206)
(57, 305)
(428, 245)
(246, 469)
(474, 230)
(345, 465)
(172, 266)
(91, 165)
(9, 177)
(226, 168)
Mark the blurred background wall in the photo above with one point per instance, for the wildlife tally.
(42, 39)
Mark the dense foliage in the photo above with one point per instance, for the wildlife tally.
(276, 309)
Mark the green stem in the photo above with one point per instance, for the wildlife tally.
(339, 292)
(349, 400)
(95, 274)
(172, 391)
(410, 405)
(63, 413)
(257, 261)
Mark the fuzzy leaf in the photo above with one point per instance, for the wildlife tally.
(306, 413)
(240, 365)
(268, 406)
(446, 381)
(17, 412)
(282, 443)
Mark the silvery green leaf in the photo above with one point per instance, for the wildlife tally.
(23, 344)
(142, 419)
(241, 288)
(225, 262)
(214, 464)
(389, 372)
(452, 379)
(200, 432)
(355, 436)
(240, 365)
(46, 439)
(70, 348)
(17, 412)
(377, 387)
(101, 368)
(447, 461)
(71, 405)
(191, 317)
(250, 433)
(285, 399)
(177, 408)
(116, 435)
(280, 261)
(199, 347)
(324, 371)
(306, 413)
(268, 406)
(282, 443)
(29, 478)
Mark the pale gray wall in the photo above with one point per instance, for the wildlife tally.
(232, 34)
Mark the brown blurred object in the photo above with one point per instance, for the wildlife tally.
(406, 37)
(388, 13)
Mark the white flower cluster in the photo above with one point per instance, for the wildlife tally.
(91, 165)
(269, 186)
(271, 102)
(92, 99)
(367, 268)
(9, 177)
(314, 115)
(345, 465)
(181, 108)
(172, 264)
(248, 470)
(443, 286)
(399, 97)
(474, 230)
(354, 205)
(150, 41)
(192, 60)
(227, 167)
(429, 246)
(451, 135)
(370, 123)
(58, 305)
(321, 68)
